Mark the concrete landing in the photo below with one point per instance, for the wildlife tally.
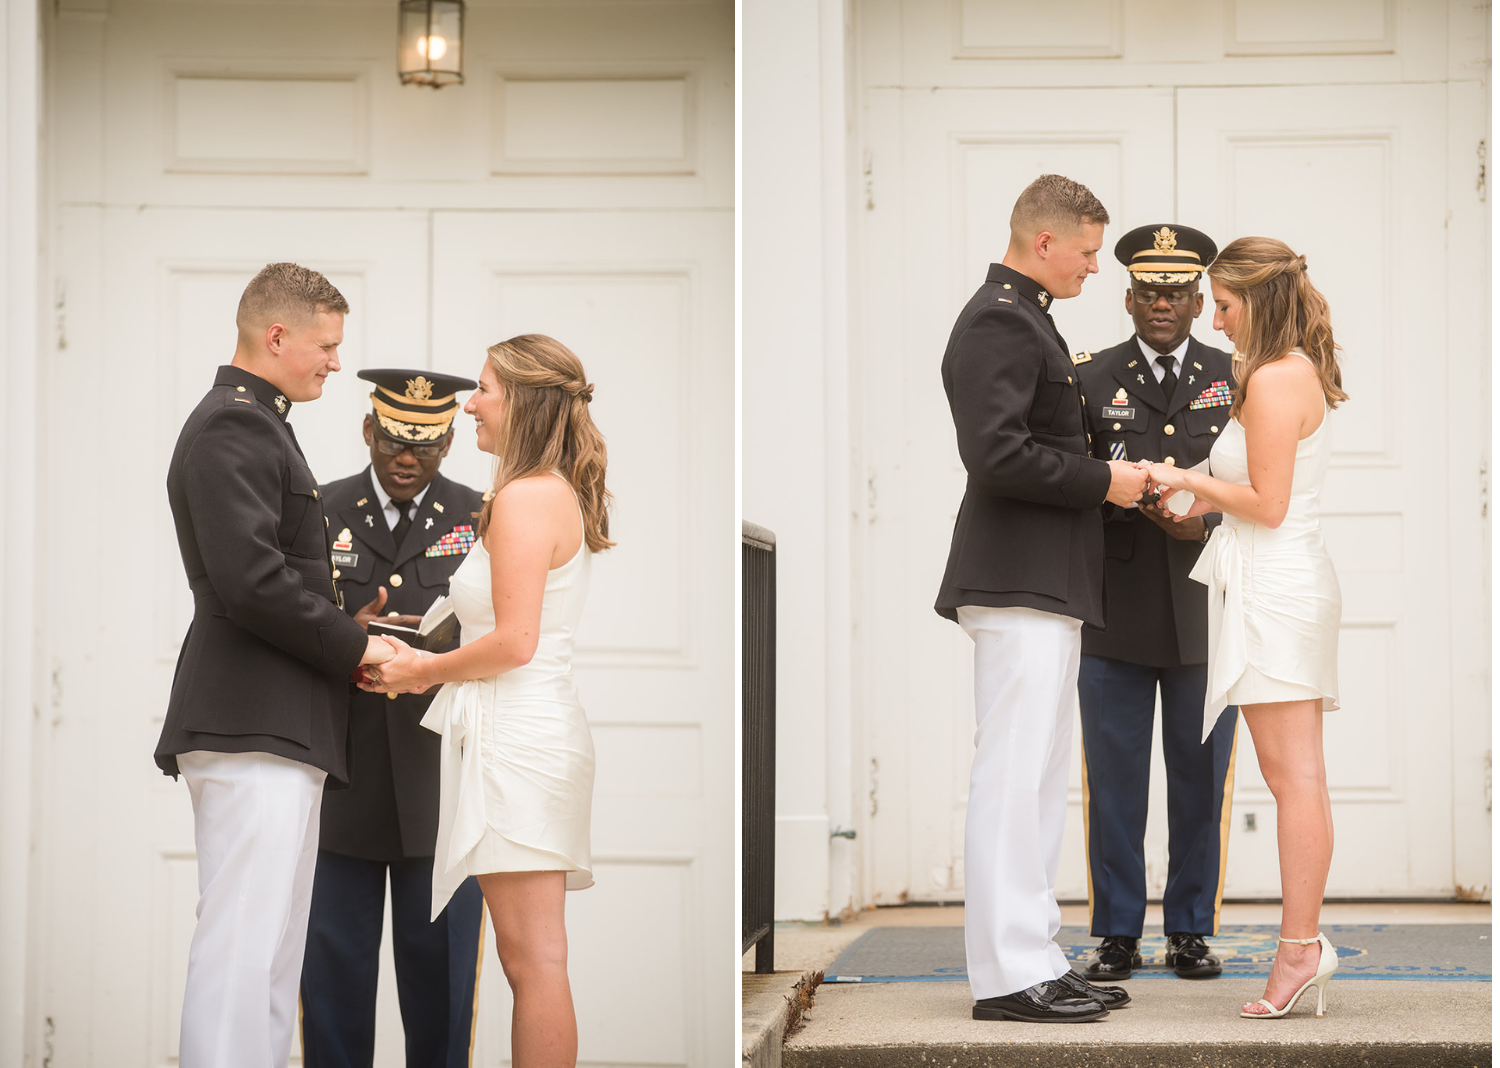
(1170, 1022)
(1370, 1024)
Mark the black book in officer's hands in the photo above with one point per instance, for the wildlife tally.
(434, 633)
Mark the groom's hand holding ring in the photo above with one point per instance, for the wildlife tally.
(1127, 482)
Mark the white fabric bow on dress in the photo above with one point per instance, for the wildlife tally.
(1221, 569)
(455, 714)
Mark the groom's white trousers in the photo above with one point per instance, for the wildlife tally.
(255, 819)
(1025, 690)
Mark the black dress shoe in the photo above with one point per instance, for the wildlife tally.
(1111, 997)
(1188, 956)
(1114, 958)
(1049, 1002)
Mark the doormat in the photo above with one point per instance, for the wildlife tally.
(1459, 951)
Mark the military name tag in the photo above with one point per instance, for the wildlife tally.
(346, 559)
(1119, 413)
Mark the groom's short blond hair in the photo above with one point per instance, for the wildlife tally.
(288, 293)
(1056, 204)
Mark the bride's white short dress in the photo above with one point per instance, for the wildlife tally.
(1273, 598)
(517, 776)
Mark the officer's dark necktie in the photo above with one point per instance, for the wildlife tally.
(1169, 379)
(403, 523)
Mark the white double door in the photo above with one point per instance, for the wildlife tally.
(145, 314)
(1355, 178)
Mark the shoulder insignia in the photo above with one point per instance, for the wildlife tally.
(1082, 357)
(242, 400)
(1004, 300)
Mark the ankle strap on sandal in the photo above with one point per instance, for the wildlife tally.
(1301, 941)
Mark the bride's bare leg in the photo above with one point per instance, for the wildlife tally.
(526, 909)
(1288, 738)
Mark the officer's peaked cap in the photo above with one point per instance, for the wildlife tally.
(415, 405)
(1165, 254)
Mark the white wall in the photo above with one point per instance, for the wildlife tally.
(798, 469)
(20, 103)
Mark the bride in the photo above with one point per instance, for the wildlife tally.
(1274, 602)
(515, 806)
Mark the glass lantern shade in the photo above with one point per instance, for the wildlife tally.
(431, 46)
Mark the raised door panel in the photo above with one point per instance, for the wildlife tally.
(946, 168)
(1353, 178)
(137, 346)
(624, 108)
(645, 302)
(1111, 43)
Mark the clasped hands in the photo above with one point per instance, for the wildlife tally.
(1131, 481)
(389, 664)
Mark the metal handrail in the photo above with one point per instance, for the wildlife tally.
(758, 690)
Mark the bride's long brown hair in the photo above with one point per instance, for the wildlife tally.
(1283, 310)
(546, 426)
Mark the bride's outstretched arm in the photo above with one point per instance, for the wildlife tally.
(1276, 408)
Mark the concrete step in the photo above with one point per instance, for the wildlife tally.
(1169, 1023)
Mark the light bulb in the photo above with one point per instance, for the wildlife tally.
(433, 47)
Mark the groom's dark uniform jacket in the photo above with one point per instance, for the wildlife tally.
(1028, 532)
(265, 666)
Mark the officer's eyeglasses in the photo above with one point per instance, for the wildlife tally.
(392, 447)
(1174, 297)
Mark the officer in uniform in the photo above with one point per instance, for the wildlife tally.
(1160, 396)
(401, 530)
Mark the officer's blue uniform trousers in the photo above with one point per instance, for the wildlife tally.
(1117, 704)
(436, 963)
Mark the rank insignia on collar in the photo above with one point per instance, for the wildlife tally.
(1132, 363)
(1082, 357)
(437, 505)
(280, 403)
(1041, 298)
(361, 502)
(1197, 365)
(1121, 397)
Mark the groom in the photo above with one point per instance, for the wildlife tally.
(260, 702)
(1025, 572)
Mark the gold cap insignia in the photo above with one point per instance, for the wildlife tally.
(418, 388)
(1166, 240)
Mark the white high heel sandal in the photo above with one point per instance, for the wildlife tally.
(1328, 962)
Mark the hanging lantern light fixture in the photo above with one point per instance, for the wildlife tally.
(431, 46)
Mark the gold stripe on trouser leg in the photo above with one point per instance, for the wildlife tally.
(478, 968)
(1224, 817)
(1088, 867)
(301, 1036)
